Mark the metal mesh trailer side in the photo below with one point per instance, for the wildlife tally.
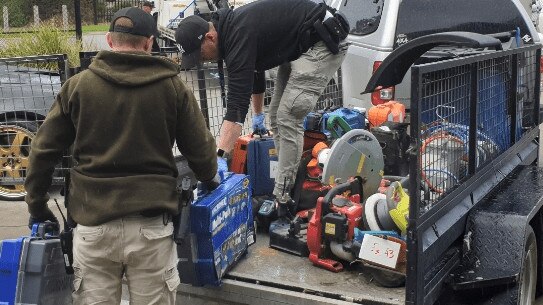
(28, 86)
(471, 118)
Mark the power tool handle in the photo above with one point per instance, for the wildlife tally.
(43, 228)
(339, 189)
(182, 220)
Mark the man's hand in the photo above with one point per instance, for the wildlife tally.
(258, 123)
(47, 215)
(205, 187)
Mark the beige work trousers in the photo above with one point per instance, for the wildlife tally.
(298, 87)
(139, 248)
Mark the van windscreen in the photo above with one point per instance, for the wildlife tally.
(417, 18)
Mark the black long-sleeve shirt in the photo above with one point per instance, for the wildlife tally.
(259, 36)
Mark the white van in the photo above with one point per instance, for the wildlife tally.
(380, 26)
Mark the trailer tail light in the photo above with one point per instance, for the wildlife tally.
(383, 95)
(540, 64)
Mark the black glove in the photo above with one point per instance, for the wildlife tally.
(208, 186)
(47, 215)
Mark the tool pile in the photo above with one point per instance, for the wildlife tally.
(349, 205)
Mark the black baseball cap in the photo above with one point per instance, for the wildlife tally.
(189, 36)
(143, 23)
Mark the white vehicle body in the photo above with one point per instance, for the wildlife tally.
(367, 49)
(171, 12)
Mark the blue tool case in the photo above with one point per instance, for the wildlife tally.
(221, 229)
(32, 272)
(262, 165)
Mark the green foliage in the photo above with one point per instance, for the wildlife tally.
(45, 40)
(103, 27)
(19, 12)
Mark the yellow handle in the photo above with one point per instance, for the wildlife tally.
(400, 214)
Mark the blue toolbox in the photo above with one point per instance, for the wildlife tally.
(262, 164)
(321, 121)
(32, 269)
(220, 230)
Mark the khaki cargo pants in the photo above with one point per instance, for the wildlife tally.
(139, 248)
(298, 86)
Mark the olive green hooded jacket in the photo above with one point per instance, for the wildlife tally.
(122, 116)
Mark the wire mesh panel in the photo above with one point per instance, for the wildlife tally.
(445, 112)
(493, 123)
(28, 86)
(471, 118)
(205, 84)
(527, 112)
(465, 120)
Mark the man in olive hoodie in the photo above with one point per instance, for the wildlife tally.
(122, 116)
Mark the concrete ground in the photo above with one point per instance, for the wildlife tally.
(14, 220)
(14, 216)
(95, 41)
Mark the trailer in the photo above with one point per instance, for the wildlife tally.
(475, 237)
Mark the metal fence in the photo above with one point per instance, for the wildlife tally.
(103, 10)
(467, 115)
(28, 86)
(24, 18)
(206, 86)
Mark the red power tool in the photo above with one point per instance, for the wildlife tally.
(333, 222)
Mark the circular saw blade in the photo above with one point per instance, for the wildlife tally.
(356, 153)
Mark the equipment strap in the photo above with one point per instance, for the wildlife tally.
(182, 220)
(221, 82)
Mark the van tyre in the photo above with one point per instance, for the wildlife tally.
(15, 139)
(537, 225)
(387, 279)
(528, 273)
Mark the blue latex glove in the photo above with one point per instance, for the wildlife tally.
(222, 166)
(258, 123)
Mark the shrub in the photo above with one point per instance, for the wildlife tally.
(46, 39)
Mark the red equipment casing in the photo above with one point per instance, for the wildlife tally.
(239, 156)
(352, 211)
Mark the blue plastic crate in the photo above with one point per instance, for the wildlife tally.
(32, 271)
(10, 256)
